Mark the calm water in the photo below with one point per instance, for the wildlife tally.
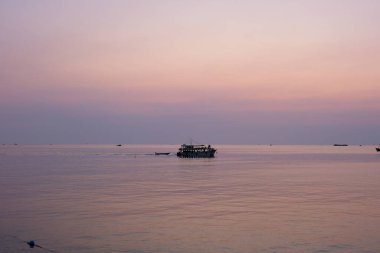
(103, 198)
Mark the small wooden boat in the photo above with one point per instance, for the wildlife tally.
(160, 153)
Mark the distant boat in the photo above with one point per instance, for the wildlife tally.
(160, 153)
(196, 151)
(378, 149)
(119, 145)
(340, 145)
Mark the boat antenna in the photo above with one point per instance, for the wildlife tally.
(195, 141)
(192, 140)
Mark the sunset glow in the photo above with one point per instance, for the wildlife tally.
(228, 65)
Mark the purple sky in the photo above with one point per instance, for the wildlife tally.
(223, 72)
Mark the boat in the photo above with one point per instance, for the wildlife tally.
(340, 145)
(196, 151)
(378, 149)
(160, 153)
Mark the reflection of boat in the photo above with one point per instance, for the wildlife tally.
(196, 151)
(157, 153)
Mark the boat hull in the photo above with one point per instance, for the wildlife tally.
(157, 153)
(208, 154)
(378, 149)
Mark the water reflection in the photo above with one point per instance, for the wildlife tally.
(248, 199)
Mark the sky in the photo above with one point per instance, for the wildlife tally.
(162, 72)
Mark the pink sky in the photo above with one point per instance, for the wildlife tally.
(127, 59)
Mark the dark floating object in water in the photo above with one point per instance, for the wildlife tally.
(340, 145)
(119, 145)
(378, 149)
(32, 244)
(160, 153)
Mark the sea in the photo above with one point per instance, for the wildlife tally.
(249, 198)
